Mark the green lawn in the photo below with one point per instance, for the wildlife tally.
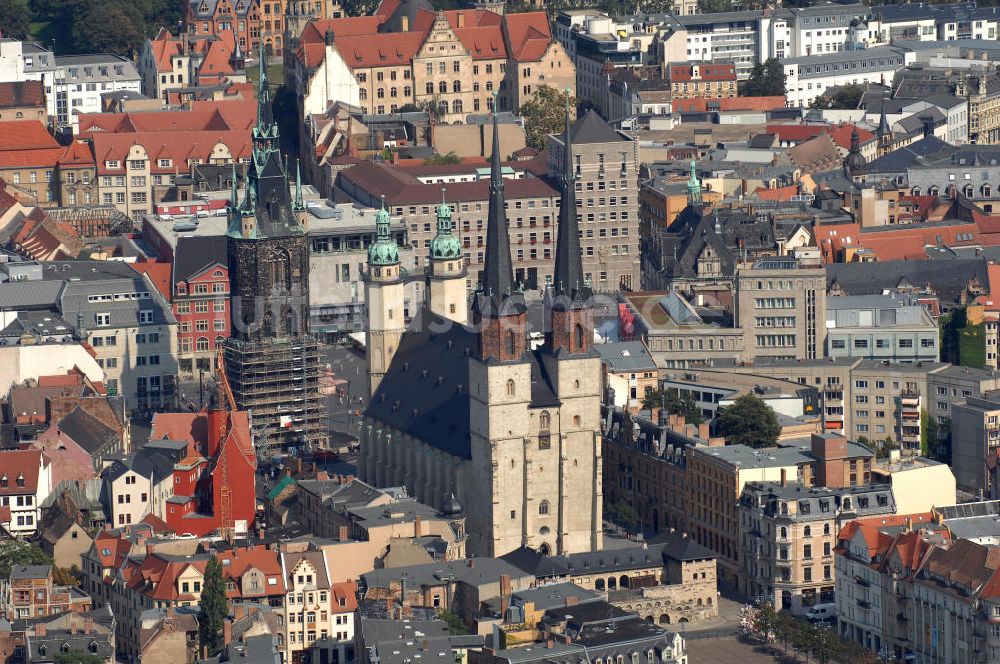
(275, 74)
(972, 346)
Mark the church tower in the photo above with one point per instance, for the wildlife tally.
(272, 362)
(384, 299)
(575, 370)
(884, 133)
(446, 292)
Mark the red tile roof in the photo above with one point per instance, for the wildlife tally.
(382, 50)
(870, 528)
(700, 105)
(220, 115)
(77, 153)
(179, 147)
(797, 133)
(23, 464)
(779, 194)
(22, 93)
(346, 591)
(164, 48)
(528, 35)
(159, 274)
(685, 72)
(25, 135)
(315, 31)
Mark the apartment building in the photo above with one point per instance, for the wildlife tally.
(975, 441)
(787, 536)
(702, 81)
(781, 307)
(31, 592)
(807, 77)
(881, 327)
(607, 195)
(25, 483)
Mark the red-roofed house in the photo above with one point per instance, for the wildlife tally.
(25, 482)
(22, 100)
(28, 160)
(790, 135)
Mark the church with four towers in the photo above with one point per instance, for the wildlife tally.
(461, 404)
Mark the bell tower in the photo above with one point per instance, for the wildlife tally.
(446, 292)
(384, 299)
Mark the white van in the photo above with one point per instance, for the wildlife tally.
(822, 612)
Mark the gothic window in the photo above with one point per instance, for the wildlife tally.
(579, 336)
(543, 508)
(267, 325)
(281, 270)
(443, 87)
(510, 388)
(456, 86)
(377, 360)
(288, 322)
(544, 421)
(544, 549)
(511, 344)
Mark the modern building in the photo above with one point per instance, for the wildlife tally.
(272, 362)
(886, 327)
(787, 536)
(975, 440)
(809, 76)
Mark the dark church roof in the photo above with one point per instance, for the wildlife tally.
(425, 392)
(591, 128)
(738, 229)
(948, 278)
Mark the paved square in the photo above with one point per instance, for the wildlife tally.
(726, 650)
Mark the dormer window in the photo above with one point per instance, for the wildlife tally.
(4, 481)
(20, 480)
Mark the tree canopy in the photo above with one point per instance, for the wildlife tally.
(213, 608)
(766, 79)
(15, 18)
(748, 421)
(544, 114)
(846, 97)
(81, 26)
(14, 553)
(671, 401)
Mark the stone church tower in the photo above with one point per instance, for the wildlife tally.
(272, 363)
(384, 288)
(446, 292)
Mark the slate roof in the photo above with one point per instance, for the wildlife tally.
(591, 128)
(425, 392)
(19, 572)
(902, 158)
(87, 431)
(947, 278)
(626, 356)
(195, 254)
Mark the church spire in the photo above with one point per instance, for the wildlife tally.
(694, 186)
(383, 251)
(298, 205)
(498, 270)
(265, 132)
(568, 275)
(444, 246)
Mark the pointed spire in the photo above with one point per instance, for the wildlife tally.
(568, 274)
(298, 204)
(265, 128)
(234, 194)
(694, 186)
(883, 123)
(498, 270)
(383, 251)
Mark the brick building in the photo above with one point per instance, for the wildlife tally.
(215, 17)
(201, 301)
(32, 593)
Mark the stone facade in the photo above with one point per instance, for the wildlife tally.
(689, 593)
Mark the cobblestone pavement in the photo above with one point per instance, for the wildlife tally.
(725, 650)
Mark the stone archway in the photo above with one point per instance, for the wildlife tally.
(664, 619)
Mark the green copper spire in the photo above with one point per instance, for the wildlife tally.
(265, 132)
(694, 187)
(444, 246)
(383, 251)
(298, 205)
(234, 202)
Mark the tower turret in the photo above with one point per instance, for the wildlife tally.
(446, 291)
(694, 186)
(384, 296)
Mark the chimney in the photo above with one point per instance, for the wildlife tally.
(472, 563)
(40, 629)
(227, 631)
(342, 533)
(461, 20)
(417, 523)
(703, 431)
(784, 477)
(406, 24)
(388, 607)
(572, 600)
(322, 475)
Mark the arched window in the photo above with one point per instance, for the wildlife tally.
(430, 88)
(543, 508)
(456, 86)
(599, 585)
(443, 87)
(784, 532)
(475, 86)
(579, 336)
(511, 343)
(281, 270)
(544, 549)
(288, 322)
(201, 344)
(380, 93)
(407, 91)
(915, 191)
(576, 421)
(510, 387)
(544, 530)
(456, 106)
(826, 529)
(967, 191)
(544, 420)
(807, 532)
(393, 93)
(219, 341)
(986, 190)
(363, 94)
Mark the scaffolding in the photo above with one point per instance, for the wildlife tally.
(278, 381)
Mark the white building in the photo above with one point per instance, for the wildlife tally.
(25, 482)
(808, 77)
(73, 83)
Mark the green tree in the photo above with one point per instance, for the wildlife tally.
(214, 608)
(847, 97)
(90, 30)
(749, 421)
(15, 18)
(544, 114)
(14, 553)
(77, 657)
(714, 6)
(766, 79)
(455, 623)
(671, 401)
(67, 576)
(437, 160)
(621, 512)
